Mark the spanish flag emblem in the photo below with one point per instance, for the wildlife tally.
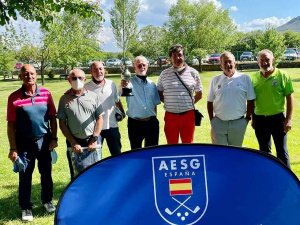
(181, 186)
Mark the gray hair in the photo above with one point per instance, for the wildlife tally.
(76, 71)
(141, 58)
(226, 53)
(95, 62)
(265, 51)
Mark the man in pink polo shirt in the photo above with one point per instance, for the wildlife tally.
(32, 134)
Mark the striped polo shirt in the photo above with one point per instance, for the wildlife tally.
(176, 96)
(30, 113)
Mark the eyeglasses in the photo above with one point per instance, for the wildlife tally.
(75, 78)
(141, 66)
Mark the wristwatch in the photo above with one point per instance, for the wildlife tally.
(94, 138)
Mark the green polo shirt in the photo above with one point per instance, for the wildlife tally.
(271, 92)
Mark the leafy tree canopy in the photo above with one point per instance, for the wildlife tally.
(200, 25)
(273, 40)
(45, 10)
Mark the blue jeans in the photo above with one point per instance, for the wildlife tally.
(76, 168)
(35, 149)
(113, 140)
(267, 126)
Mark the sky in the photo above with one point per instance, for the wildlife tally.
(248, 15)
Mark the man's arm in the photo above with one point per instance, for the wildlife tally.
(250, 109)
(289, 112)
(120, 106)
(67, 133)
(210, 110)
(198, 96)
(161, 96)
(11, 134)
(53, 125)
(98, 127)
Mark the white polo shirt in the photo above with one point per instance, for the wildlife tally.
(108, 96)
(230, 94)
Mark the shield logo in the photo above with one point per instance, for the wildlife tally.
(180, 188)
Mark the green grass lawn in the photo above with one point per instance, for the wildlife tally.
(10, 213)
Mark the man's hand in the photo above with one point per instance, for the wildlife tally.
(77, 148)
(124, 83)
(287, 125)
(13, 155)
(92, 146)
(53, 144)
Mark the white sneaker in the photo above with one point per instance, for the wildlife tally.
(49, 207)
(27, 215)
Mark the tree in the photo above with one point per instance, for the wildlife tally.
(124, 23)
(7, 61)
(45, 11)
(149, 42)
(72, 40)
(273, 40)
(292, 39)
(200, 25)
(245, 42)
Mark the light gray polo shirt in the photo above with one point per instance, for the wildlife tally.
(108, 95)
(80, 112)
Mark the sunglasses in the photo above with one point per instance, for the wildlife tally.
(75, 78)
(140, 66)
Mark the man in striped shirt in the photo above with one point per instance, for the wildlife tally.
(179, 106)
(31, 131)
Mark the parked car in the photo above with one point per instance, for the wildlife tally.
(290, 54)
(18, 65)
(297, 51)
(214, 58)
(247, 56)
(205, 59)
(113, 62)
(128, 62)
(162, 60)
(193, 61)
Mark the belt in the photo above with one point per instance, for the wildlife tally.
(181, 113)
(270, 116)
(34, 138)
(143, 119)
(232, 120)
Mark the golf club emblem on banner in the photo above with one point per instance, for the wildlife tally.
(180, 188)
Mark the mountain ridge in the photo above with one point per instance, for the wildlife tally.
(293, 25)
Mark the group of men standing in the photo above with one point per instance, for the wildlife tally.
(86, 114)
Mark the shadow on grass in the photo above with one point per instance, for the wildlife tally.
(10, 207)
(296, 80)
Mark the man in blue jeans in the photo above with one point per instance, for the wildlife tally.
(31, 131)
(80, 120)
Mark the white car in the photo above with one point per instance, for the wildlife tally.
(290, 54)
(113, 63)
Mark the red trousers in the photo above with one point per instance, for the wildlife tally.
(182, 125)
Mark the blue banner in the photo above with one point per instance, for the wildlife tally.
(183, 184)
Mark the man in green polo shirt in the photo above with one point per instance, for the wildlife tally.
(274, 90)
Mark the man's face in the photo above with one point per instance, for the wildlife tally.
(177, 59)
(98, 71)
(228, 65)
(265, 62)
(76, 79)
(141, 67)
(29, 76)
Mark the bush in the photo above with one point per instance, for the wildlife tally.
(50, 74)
